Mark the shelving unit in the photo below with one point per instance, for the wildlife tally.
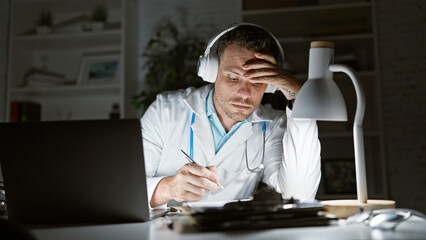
(62, 51)
(350, 25)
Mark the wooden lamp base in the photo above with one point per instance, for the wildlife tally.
(347, 207)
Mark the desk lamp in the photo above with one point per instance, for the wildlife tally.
(321, 99)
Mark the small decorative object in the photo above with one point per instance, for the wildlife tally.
(44, 22)
(99, 17)
(100, 69)
(115, 111)
(339, 176)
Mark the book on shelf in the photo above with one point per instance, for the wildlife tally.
(25, 111)
(44, 80)
(41, 77)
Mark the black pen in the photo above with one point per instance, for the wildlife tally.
(192, 161)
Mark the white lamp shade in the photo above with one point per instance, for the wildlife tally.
(320, 99)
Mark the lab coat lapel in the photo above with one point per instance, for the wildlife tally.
(203, 138)
(239, 137)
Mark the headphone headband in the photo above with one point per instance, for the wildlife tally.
(214, 39)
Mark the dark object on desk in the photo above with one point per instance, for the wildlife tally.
(12, 231)
(2, 199)
(67, 172)
(266, 210)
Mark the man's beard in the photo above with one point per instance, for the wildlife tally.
(234, 114)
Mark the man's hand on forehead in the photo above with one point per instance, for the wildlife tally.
(261, 67)
(264, 69)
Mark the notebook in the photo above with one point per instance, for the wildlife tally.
(62, 172)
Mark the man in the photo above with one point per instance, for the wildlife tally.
(235, 141)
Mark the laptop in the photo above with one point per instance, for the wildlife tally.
(63, 172)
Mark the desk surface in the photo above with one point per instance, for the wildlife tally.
(414, 228)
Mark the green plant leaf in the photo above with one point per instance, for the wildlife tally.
(171, 59)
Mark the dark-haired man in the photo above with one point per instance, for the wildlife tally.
(234, 140)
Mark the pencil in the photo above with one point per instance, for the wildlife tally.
(192, 161)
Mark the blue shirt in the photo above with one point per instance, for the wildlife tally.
(219, 134)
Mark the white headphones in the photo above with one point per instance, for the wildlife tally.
(208, 64)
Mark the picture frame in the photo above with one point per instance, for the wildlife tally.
(339, 176)
(104, 68)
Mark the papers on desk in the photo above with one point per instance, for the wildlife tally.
(217, 204)
(267, 209)
(251, 214)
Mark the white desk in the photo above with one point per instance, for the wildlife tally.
(414, 228)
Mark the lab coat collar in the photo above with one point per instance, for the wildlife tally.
(196, 101)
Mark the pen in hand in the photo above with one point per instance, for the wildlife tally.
(192, 161)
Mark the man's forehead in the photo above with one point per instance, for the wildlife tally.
(234, 51)
(235, 57)
(233, 69)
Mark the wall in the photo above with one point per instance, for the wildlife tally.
(202, 17)
(4, 37)
(402, 55)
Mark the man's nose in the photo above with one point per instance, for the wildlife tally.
(244, 90)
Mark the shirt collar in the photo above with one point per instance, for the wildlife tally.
(209, 104)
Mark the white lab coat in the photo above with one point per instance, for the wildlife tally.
(292, 150)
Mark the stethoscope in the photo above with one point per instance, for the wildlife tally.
(252, 170)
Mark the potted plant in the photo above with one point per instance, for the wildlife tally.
(99, 17)
(171, 63)
(44, 22)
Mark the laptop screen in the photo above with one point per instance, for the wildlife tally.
(89, 171)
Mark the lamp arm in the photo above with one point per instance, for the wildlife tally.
(361, 176)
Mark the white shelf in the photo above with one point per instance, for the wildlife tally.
(32, 37)
(63, 52)
(65, 40)
(348, 37)
(315, 21)
(303, 9)
(61, 89)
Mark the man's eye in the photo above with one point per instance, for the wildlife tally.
(232, 79)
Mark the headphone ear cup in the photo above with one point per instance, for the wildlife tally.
(208, 66)
(201, 66)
